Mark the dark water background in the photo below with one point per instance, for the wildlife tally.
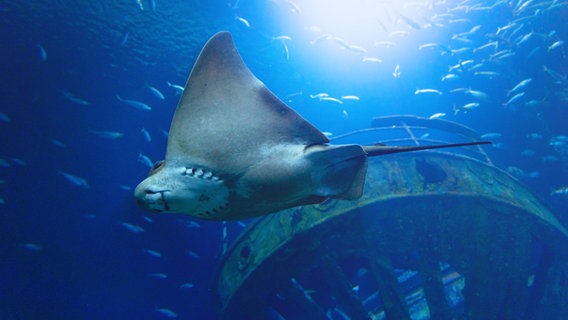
(64, 250)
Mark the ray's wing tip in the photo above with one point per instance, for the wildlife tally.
(222, 35)
(221, 39)
(220, 43)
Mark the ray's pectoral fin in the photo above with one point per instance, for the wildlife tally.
(339, 171)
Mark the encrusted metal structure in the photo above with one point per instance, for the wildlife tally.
(436, 235)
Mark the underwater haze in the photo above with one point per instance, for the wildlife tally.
(89, 89)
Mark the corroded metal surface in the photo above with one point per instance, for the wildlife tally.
(448, 206)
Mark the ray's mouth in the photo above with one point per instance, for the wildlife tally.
(156, 201)
(201, 174)
(213, 203)
(204, 194)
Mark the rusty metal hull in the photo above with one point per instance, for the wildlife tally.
(441, 207)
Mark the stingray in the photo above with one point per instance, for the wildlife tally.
(236, 151)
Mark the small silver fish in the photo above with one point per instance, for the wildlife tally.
(341, 313)
(357, 49)
(192, 224)
(282, 38)
(493, 44)
(224, 239)
(489, 74)
(193, 254)
(155, 92)
(75, 180)
(428, 45)
(71, 97)
(167, 312)
(314, 29)
(491, 135)
(466, 107)
(533, 103)
(557, 76)
(458, 50)
(331, 99)
(176, 87)
(450, 76)
(145, 160)
(224, 231)
(146, 135)
(461, 20)
(400, 33)
(292, 95)
(58, 143)
(477, 94)
(153, 253)
(555, 45)
(134, 103)
(124, 39)
(294, 8)
(243, 21)
(514, 99)
(286, 50)
(419, 91)
(371, 297)
(507, 55)
(132, 227)
(396, 73)
(42, 53)
(111, 135)
(437, 115)
(371, 59)
(519, 86)
(319, 95)
(460, 65)
(560, 191)
(386, 44)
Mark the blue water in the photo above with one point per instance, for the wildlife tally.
(66, 251)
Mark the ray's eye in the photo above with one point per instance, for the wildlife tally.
(156, 167)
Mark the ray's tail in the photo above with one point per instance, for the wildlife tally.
(379, 150)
